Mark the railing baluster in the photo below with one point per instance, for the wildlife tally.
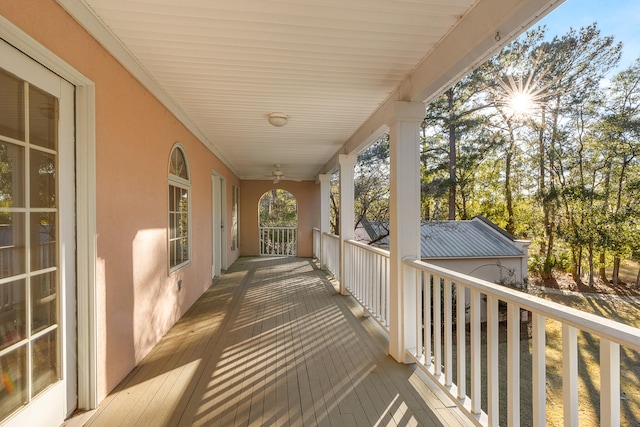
(475, 353)
(436, 284)
(426, 322)
(437, 326)
(419, 318)
(539, 381)
(570, 375)
(448, 335)
(493, 385)
(609, 383)
(513, 364)
(461, 335)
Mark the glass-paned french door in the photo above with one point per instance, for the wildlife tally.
(31, 281)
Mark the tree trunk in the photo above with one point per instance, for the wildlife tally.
(452, 158)
(575, 275)
(546, 270)
(511, 227)
(616, 271)
(638, 279)
(591, 267)
(579, 261)
(602, 269)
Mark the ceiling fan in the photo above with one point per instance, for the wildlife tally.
(277, 175)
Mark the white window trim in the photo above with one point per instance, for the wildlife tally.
(185, 184)
(86, 224)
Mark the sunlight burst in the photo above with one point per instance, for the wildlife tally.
(523, 97)
(521, 104)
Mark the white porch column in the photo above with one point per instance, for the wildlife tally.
(325, 194)
(347, 217)
(404, 216)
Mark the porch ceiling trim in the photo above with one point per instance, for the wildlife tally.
(112, 44)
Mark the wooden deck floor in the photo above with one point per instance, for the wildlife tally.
(271, 343)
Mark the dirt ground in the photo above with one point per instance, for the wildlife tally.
(564, 281)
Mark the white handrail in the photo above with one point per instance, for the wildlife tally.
(331, 253)
(279, 241)
(434, 307)
(367, 279)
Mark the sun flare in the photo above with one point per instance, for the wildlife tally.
(522, 97)
(521, 103)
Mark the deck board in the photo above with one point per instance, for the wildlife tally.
(272, 343)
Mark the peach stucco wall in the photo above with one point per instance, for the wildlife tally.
(307, 194)
(138, 300)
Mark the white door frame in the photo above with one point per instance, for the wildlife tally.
(86, 230)
(218, 223)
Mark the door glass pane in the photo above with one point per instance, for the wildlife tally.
(11, 175)
(14, 381)
(45, 361)
(29, 304)
(11, 106)
(43, 179)
(13, 318)
(44, 312)
(43, 118)
(12, 244)
(43, 240)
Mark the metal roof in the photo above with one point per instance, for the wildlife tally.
(477, 238)
(464, 239)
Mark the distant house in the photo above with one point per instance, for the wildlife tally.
(477, 247)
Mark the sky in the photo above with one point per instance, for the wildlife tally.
(617, 18)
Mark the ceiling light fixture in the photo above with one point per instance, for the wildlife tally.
(278, 119)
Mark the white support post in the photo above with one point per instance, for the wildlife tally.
(404, 221)
(325, 198)
(347, 216)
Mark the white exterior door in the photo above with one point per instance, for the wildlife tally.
(37, 243)
(219, 237)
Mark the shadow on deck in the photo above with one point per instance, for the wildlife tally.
(272, 343)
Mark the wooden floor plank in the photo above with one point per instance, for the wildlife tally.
(272, 343)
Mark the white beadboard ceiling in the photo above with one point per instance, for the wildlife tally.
(222, 65)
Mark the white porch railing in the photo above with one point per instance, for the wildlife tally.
(316, 236)
(438, 355)
(331, 253)
(278, 241)
(448, 302)
(367, 279)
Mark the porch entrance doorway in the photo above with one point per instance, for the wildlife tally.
(219, 235)
(37, 243)
(278, 223)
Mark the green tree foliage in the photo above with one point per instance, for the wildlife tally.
(371, 189)
(278, 208)
(563, 171)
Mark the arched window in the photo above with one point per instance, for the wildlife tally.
(179, 209)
